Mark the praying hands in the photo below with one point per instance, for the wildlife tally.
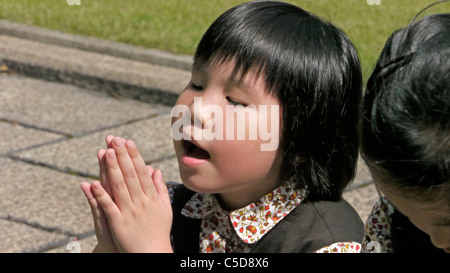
(130, 205)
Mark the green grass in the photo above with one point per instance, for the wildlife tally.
(177, 25)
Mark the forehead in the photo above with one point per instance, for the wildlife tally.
(226, 70)
(415, 206)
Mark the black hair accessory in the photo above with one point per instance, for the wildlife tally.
(391, 66)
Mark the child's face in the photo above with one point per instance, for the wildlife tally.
(237, 169)
(432, 218)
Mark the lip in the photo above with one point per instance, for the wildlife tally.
(189, 160)
(192, 162)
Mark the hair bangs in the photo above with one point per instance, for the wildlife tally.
(256, 39)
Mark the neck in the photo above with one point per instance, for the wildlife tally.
(231, 201)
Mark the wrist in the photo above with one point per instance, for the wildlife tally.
(102, 249)
(160, 246)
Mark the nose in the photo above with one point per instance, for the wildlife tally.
(202, 110)
(196, 109)
(441, 238)
(207, 119)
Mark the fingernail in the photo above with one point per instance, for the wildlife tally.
(96, 185)
(111, 154)
(118, 142)
(129, 144)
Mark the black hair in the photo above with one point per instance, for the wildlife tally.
(406, 112)
(314, 70)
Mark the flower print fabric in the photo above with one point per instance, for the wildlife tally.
(377, 230)
(341, 247)
(238, 231)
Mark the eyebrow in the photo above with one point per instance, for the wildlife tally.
(236, 80)
(239, 82)
(199, 67)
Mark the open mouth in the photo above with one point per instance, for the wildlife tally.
(194, 155)
(194, 151)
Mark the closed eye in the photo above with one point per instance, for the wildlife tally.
(196, 87)
(233, 102)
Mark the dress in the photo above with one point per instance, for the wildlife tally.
(243, 230)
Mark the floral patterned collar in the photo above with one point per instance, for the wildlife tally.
(250, 223)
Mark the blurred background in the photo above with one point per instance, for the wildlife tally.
(177, 25)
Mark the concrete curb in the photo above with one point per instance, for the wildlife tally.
(117, 69)
(153, 56)
(90, 82)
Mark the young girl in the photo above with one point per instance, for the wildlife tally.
(236, 196)
(406, 140)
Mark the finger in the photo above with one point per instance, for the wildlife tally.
(117, 181)
(128, 169)
(104, 200)
(159, 182)
(103, 174)
(161, 188)
(151, 188)
(97, 212)
(86, 188)
(150, 170)
(108, 140)
(143, 173)
(104, 180)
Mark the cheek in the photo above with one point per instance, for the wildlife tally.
(243, 158)
(186, 97)
(180, 113)
(262, 125)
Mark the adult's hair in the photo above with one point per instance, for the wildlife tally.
(314, 70)
(406, 119)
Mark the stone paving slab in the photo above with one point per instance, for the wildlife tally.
(85, 245)
(79, 155)
(362, 176)
(64, 108)
(42, 198)
(18, 237)
(362, 199)
(16, 137)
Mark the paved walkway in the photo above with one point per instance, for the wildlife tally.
(59, 97)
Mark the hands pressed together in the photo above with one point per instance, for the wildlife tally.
(130, 205)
